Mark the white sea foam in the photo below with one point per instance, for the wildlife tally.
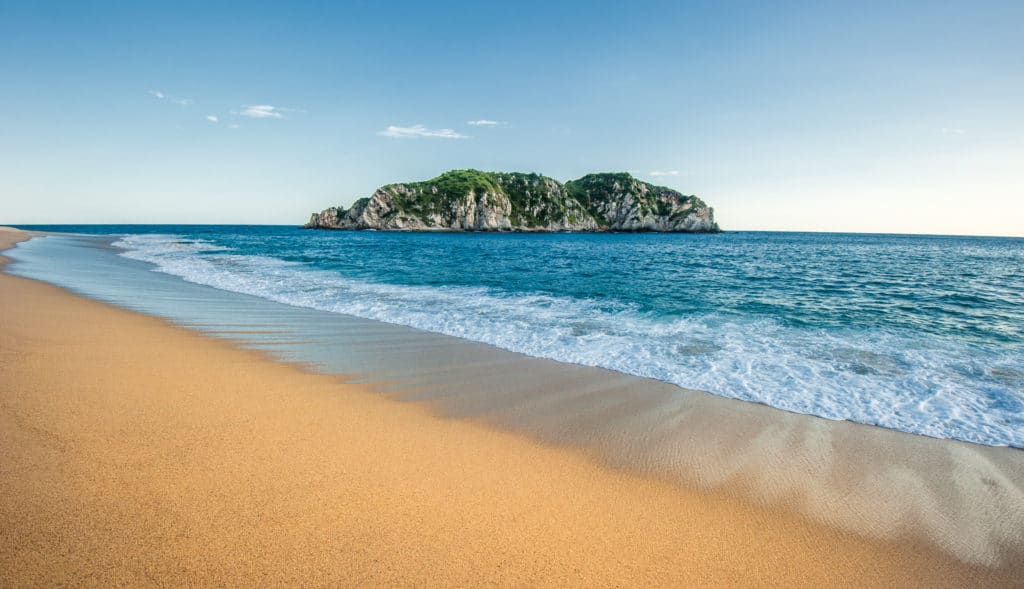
(920, 385)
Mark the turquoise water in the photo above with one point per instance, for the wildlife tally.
(923, 334)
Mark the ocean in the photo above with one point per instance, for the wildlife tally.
(922, 334)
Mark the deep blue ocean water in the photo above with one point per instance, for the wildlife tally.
(923, 334)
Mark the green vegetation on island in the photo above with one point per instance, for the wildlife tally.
(472, 200)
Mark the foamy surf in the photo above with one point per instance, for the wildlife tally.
(913, 382)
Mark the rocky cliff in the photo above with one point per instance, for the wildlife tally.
(470, 200)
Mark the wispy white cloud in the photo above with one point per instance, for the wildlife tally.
(175, 99)
(263, 111)
(485, 123)
(662, 173)
(953, 131)
(213, 118)
(420, 131)
(234, 126)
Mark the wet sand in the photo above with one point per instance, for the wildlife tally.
(138, 453)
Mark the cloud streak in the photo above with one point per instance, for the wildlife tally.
(485, 123)
(263, 111)
(663, 173)
(417, 131)
(160, 95)
(213, 118)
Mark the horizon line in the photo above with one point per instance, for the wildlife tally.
(298, 225)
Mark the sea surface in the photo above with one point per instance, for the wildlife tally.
(923, 334)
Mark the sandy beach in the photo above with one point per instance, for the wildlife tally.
(139, 453)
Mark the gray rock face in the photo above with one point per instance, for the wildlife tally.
(468, 200)
(629, 208)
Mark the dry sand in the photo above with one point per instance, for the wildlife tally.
(133, 452)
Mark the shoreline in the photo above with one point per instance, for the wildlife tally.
(169, 456)
(69, 276)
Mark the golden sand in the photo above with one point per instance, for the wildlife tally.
(133, 452)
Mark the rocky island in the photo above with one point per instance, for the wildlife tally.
(471, 200)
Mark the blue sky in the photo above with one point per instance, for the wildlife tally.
(825, 116)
